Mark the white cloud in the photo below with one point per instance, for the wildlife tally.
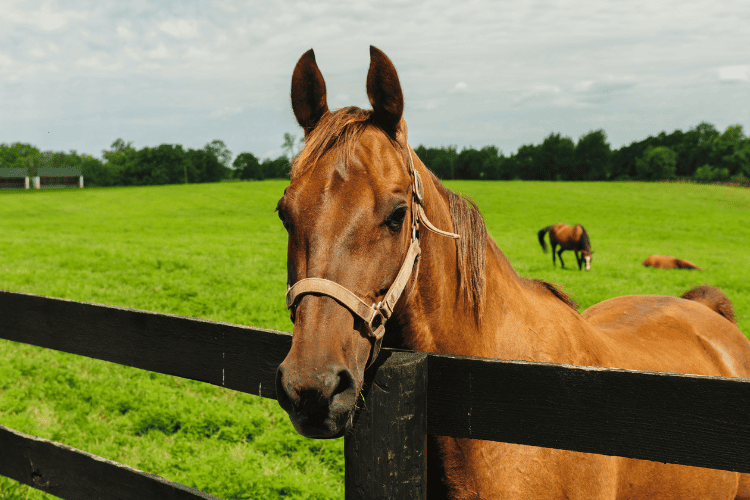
(583, 86)
(738, 73)
(232, 59)
(226, 111)
(180, 28)
(49, 19)
(124, 31)
(160, 52)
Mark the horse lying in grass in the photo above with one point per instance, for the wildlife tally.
(667, 262)
(380, 252)
(569, 238)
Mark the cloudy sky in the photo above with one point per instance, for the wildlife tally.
(79, 74)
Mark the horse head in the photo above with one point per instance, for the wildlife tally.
(586, 255)
(347, 212)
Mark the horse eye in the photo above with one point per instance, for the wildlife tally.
(283, 219)
(396, 218)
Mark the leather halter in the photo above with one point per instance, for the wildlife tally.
(376, 315)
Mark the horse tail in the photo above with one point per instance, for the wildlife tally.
(713, 298)
(541, 238)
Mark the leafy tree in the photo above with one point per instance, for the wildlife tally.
(20, 155)
(443, 162)
(94, 172)
(709, 173)
(469, 164)
(524, 162)
(117, 158)
(163, 164)
(554, 159)
(289, 148)
(247, 166)
(732, 151)
(220, 151)
(593, 156)
(428, 156)
(509, 168)
(699, 144)
(492, 161)
(657, 163)
(203, 166)
(276, 169)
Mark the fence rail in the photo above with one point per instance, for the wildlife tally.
(676, 418)
(67, 472)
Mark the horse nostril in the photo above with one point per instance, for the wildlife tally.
(346, 382)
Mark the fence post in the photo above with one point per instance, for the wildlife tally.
(384, 453)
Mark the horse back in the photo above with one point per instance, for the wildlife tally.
(652, 332)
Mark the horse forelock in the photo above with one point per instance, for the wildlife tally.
(340, 129)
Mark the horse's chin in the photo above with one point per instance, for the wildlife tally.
(329, 428)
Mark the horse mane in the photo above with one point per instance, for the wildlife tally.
(585, 239)
(546, 286)
(471, 249)
(472, 253)
(343, 128)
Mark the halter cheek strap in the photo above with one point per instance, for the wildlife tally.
(375, 315)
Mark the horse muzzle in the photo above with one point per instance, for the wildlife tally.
(319, 404)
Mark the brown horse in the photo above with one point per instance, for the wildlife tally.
(666, 262)
(569, 238)
(372, 257)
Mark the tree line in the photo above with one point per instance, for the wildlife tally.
(123, 165)
(702, 153)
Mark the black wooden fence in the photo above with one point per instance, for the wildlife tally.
(683, 419)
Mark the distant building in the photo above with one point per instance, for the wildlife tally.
(50, 177)
(14, 178)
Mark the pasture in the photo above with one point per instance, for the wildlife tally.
(217, 251)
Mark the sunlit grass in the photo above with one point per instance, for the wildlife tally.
(218, 251)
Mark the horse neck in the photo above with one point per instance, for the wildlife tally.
(518, 316)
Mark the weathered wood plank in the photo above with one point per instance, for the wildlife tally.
(385, 452)
(232, 356)
(701, 421)
(675, 418)
(70, 473)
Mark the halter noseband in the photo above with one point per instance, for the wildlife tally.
(376, 315)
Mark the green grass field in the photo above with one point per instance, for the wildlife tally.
(218, 251)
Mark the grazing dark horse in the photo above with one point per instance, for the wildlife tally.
(569, 238)
(372, 257)
(667, 262)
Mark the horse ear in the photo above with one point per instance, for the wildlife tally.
(308, 92)
(384, 91)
